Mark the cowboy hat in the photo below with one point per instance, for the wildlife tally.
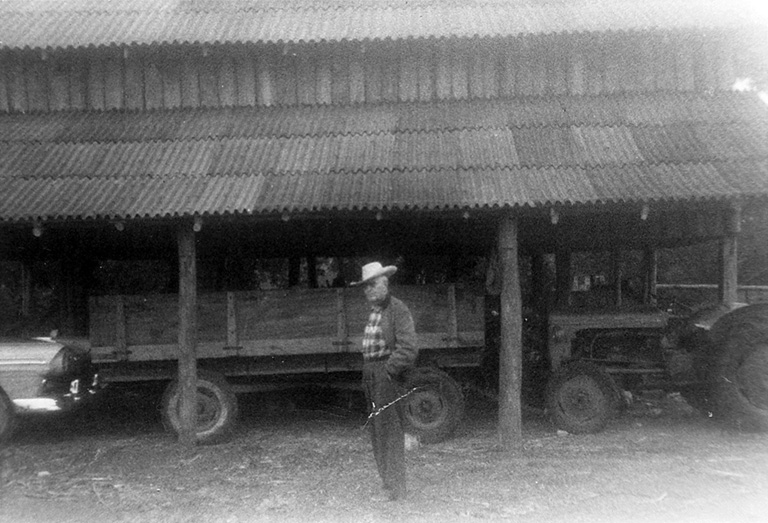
(374, 270)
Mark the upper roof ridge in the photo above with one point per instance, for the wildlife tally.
(42, 24)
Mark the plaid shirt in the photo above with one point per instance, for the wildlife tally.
(374, 344)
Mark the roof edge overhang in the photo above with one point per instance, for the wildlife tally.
(632, 206)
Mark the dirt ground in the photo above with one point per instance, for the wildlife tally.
(661, 462)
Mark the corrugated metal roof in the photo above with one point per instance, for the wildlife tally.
(82, 23)
(465, 149)
(663, 109)
(183, 162)
(83, 198)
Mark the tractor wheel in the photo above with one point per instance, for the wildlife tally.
(434, 407)
(740, 377)
(581, 398)
(216, 408)
(7, 417)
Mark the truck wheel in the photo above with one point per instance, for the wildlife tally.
(740, 380)
(216, 407)
(7, 417)
(581, 398)
(436, 405)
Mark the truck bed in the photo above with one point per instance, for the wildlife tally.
(300, 325)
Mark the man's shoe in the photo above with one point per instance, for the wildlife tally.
(389, 495)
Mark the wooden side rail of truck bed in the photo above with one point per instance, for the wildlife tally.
(283, 322)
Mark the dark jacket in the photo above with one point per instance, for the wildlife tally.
(400, 335)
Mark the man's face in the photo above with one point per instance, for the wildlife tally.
(376, 290)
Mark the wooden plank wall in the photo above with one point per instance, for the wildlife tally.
(199, 76)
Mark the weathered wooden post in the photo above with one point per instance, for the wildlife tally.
(26, 289)
(511, 348)
(651, 265)
(563, 278)
(539, 283)
(294, 271)
(729, 279)
(312, 271)
(617, 269)
(187, 334)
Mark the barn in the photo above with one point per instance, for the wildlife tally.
(203, 132)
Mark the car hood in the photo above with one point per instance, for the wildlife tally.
(27, 352)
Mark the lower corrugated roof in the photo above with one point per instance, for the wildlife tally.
(472, 154)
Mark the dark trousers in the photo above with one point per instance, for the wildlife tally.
(386, 427)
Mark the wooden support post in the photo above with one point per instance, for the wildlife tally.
(729, 280)
(651, 263)
(187, 334)
(312, 271)
(538, 283)
(121, 329)
(563, 278)
(453, 320)
(294, 271)
(511, 347)
(342, 330)
(66, 284)
(232, 337)
(26, 289)
(728, 285)
(618, 276)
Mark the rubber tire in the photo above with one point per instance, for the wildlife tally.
(582, 398)
(435, 407)
(217, 408)
(8, 418)
(740, 378)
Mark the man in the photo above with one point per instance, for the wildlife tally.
(389, 348)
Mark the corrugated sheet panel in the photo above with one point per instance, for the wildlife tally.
(82, 23)
(111, 164)
(657, 109)
(468, 149)
(84, 198)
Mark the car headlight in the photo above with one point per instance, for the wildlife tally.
(67, 361)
